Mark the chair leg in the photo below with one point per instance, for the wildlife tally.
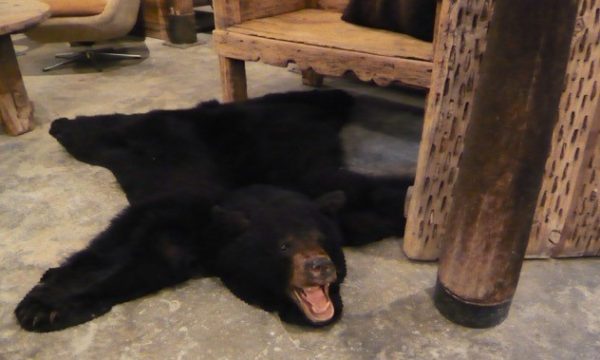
(67, 55)
(120, 56)
(64, 62)
(233, 79)
(92, 57)
(311, 78)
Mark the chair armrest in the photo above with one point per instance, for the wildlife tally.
(231, 12)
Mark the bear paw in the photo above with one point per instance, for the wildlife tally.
(35, 313)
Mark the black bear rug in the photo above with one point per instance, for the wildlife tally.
(256, 193)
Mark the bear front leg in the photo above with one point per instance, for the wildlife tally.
(145, 249)
(46, 309)
(63, 297)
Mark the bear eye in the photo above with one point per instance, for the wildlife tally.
(284, 247)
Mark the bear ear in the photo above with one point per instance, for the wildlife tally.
(229, 220)
(331, 202)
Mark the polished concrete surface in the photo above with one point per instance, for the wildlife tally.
(51, 205)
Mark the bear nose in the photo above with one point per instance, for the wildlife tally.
(320, 268)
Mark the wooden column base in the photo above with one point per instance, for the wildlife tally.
(466, 313)
(16, 111)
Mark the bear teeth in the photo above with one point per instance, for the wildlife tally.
(311, 289)
(315, 303)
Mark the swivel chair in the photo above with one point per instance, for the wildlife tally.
(92, 24)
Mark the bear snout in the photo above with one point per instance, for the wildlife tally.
(320, 270)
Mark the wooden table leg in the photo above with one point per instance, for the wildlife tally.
(514, 110)
(16, 111)
(233, 79)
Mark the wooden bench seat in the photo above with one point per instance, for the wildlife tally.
(319, 42)
(327, 29)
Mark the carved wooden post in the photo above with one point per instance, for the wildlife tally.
(459, 47)
(514, 110)
(16, 111)
(567, 219)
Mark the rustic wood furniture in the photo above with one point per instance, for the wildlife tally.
(567, 215)
(512, 114)
(16, 111)
(483, 198)
(312, 35)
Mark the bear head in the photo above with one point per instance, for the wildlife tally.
(282, 252)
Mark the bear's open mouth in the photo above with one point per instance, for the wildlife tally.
(314, 302)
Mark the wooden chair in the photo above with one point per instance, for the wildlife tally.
(311, 34)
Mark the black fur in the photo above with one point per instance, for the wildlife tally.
(162, 242)
(412, 17)
(189, 177)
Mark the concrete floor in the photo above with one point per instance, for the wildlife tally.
(51, 205)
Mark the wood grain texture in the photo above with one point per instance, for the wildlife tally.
(460, 47)
(254, 9)
(514, 112)
(155, 13)
(326, 29)
(323, 60)
(227, 13)
(233, 79)
(231, 12)
(319, 42)
(581, 234)
(567, 222)
(16, 111)
(18, 15)
(567, 219)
